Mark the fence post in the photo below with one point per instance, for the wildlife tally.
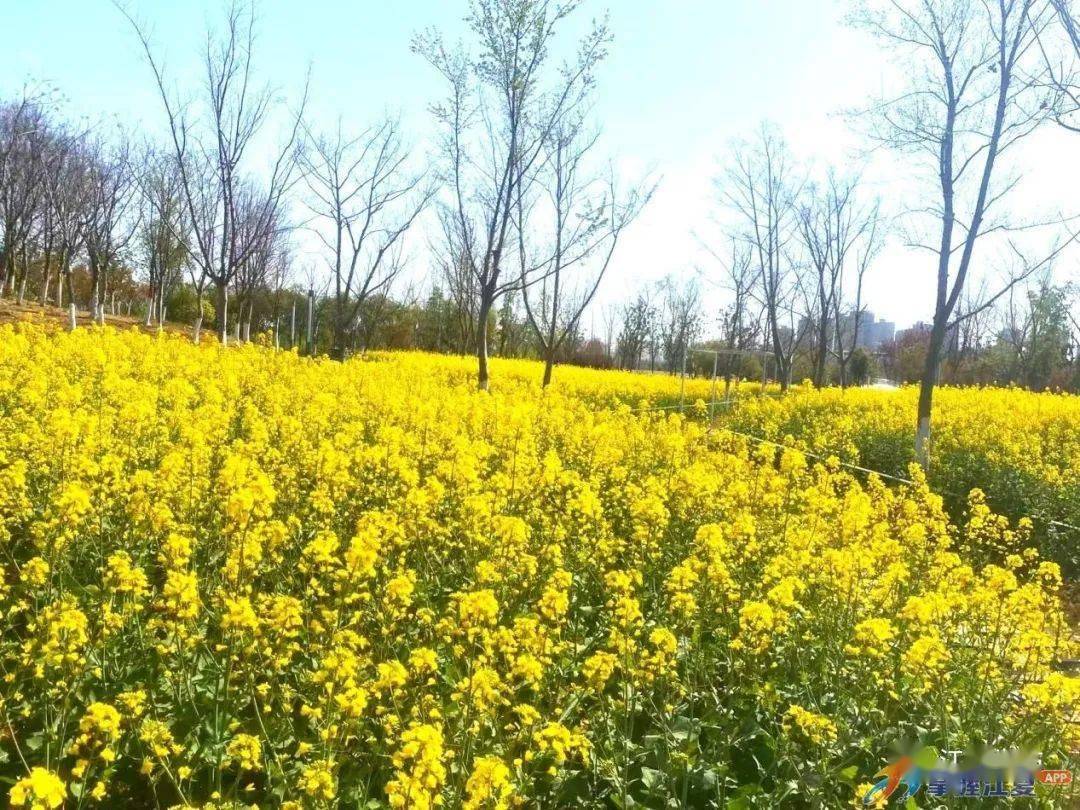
(712, 393)
(310, 319)
(682, 383)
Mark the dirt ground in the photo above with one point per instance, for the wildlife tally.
(11, 312)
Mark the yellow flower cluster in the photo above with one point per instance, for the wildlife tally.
(238, 576)
(1021, 449)
(808, 726)
(40, 790)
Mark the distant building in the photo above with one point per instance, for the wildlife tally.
(874, 333)
(917, 328)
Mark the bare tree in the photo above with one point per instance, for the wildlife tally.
(610, 318)
(211, 144)
(826, 229)
(839, 235)
(365, 201)
(67, 192)
(1059, 44)
(24, 137)
(972, 94)
(678, 320)
(502, 107)
(638, 324)
(970, 331)
(164, 231)
(762, 194)
(739, 331)
(866, 248)
(463, 290)
(110, 220)
(586, 215)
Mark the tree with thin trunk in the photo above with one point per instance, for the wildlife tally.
(585, 215)
(262, 239)
(502, 107)
(973, 91)
(212, 143)
(832, 225)
(364, 200)
(67, 193)
(1059, 44)
(110, 218)
(865, 249)
(25, 130)
(761, 192)
(636, 330)
(163, 231)
(739, 331)
(678, 320)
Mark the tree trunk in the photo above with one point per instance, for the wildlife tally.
(822, 354)
(150, 306)
(311, 322)
(337, 350)
(95, 293)
(482, 343)
(926, 393)
(196, 331)
(5, 252)
(72, 323)
(25, 273)
(223, 314)
(782, 373)
(102, 297)
(549, 363)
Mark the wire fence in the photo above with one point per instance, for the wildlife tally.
(828, 454)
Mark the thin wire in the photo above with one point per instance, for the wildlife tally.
(867, 470)
(898, 478)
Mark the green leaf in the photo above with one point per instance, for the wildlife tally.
(742, 798)
(652, 778)
(710, 780)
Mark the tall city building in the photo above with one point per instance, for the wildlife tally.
(874, 333)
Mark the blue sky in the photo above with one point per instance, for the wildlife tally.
(684, 79)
